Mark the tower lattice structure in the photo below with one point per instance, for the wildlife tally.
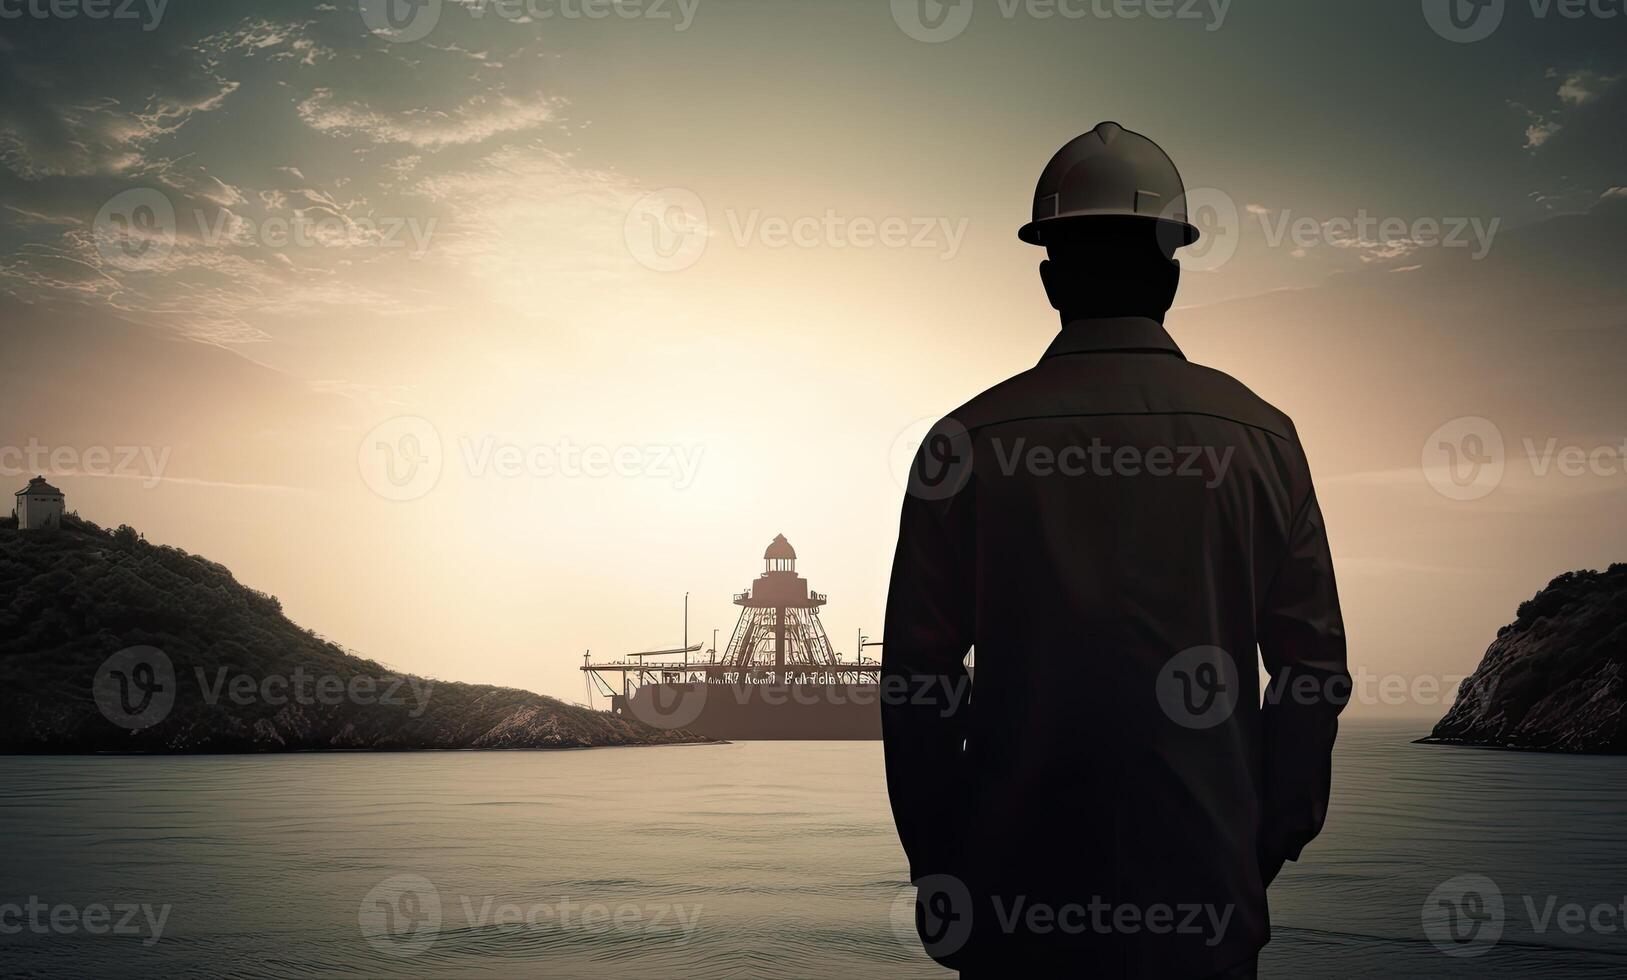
(779, 635)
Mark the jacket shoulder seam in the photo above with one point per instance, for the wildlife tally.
(1108, 414)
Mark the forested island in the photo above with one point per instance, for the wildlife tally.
(83, 610)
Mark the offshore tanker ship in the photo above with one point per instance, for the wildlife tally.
(778, 678)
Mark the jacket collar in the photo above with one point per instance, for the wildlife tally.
(1117, 333)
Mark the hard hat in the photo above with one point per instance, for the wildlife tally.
(1110, 171)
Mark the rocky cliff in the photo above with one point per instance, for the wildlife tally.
(1555, 679)
(111, 644)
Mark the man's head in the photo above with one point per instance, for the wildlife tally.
(1110, 210)
(1109, 266)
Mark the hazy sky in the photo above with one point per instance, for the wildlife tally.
(636, 287)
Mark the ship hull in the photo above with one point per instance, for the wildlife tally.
(747, 712)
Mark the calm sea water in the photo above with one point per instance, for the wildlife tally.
(745, 860)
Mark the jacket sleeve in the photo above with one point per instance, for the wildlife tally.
(1302, 641)
(925, 687)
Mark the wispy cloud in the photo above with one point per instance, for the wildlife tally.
(186, 481)
(476, 121)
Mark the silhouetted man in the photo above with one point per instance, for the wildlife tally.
(1116, 531)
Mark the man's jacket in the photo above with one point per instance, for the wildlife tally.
(1116, 532)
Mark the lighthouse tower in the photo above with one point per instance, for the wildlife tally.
(779, 637)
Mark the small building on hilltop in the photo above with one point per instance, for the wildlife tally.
(39, 505)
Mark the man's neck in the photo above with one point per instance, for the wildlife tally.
(1075, 316)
